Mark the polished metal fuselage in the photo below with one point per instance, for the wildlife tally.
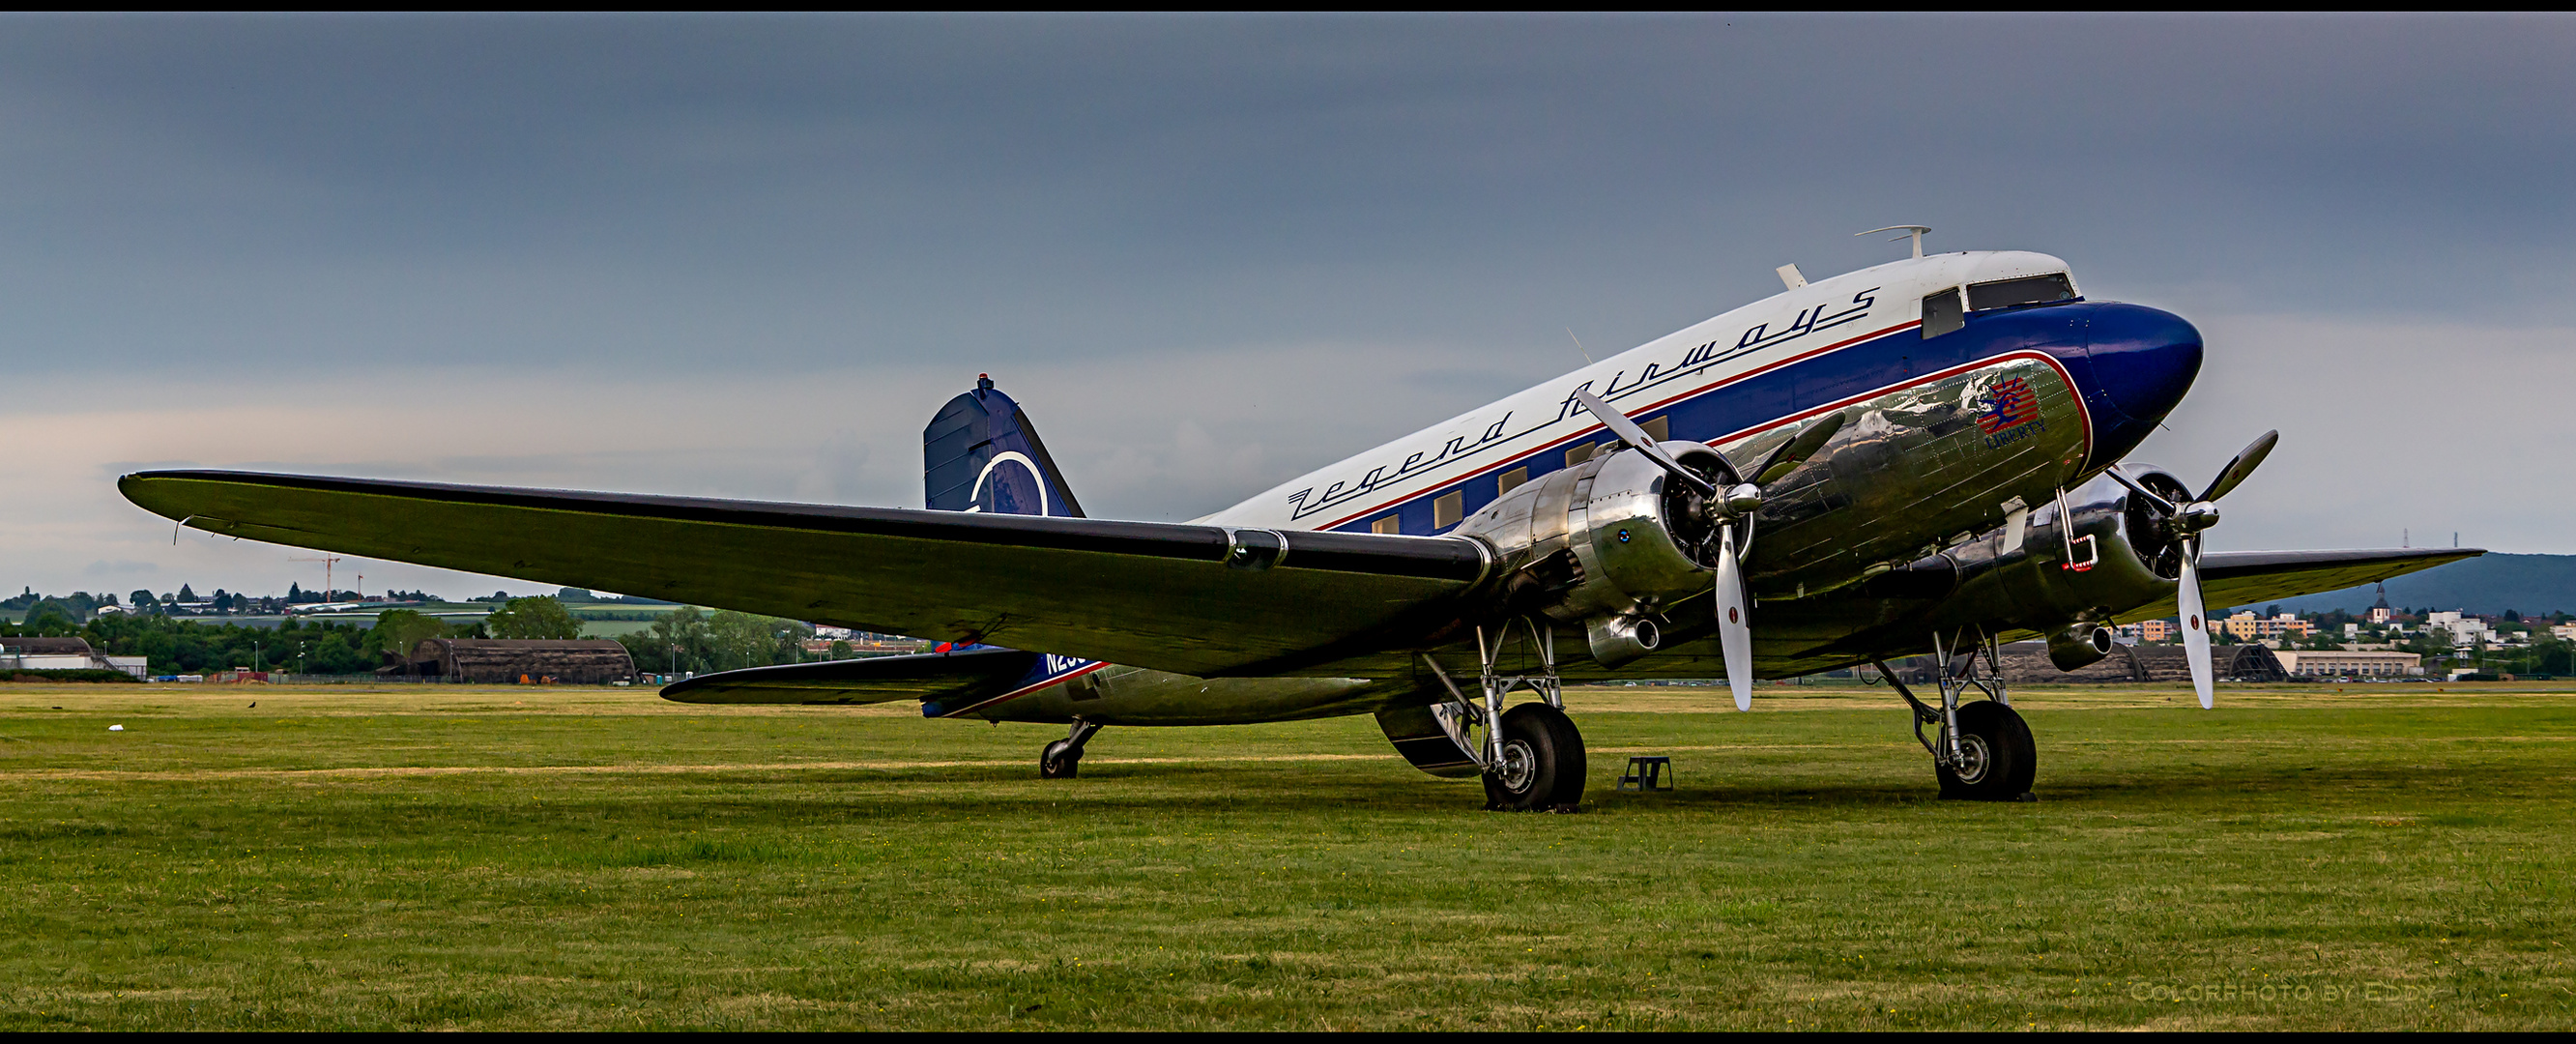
(1912, 476)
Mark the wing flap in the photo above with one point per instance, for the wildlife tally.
(970, 674)
(1150, 594)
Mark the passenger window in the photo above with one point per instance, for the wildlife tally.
(1389, 524)
(1510, 481)
(1578, 454)
(1448, 508)
(1942, 314)
(1661, 428)
(2005, 293)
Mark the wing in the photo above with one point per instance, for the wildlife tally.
(2254, 577)
(1191, 599)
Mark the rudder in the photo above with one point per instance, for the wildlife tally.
(981, 452)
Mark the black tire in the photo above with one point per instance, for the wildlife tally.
(1060, 760)
(1545, 758)
(2009, 759)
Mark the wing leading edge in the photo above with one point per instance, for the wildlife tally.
(2230, 578)
(1191, 599)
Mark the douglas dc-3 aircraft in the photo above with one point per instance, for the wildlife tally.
(1918, 457)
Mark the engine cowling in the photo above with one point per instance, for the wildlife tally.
(2096, 551)
(1607, 544)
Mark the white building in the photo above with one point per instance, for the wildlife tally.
(2462, 632)
(2348, 664)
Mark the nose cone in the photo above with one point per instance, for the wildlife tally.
(2144, 361)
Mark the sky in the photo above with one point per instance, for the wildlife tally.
(749, 256)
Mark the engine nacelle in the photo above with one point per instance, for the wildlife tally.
(2095, 551)
(1608, 544)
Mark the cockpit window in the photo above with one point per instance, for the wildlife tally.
(1941, 313)
(2005, 293)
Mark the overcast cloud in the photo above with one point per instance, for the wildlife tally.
(749, 256)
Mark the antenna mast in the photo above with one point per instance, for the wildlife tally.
(1916, 231)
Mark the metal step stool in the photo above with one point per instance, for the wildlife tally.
(1648, 772)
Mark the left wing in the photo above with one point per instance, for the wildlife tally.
(1190, 599)
(2253, 577)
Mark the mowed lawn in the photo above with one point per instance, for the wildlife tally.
(434, 857)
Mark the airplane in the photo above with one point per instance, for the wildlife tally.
(1922, 456)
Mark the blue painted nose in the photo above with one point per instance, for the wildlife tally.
(2143, 363)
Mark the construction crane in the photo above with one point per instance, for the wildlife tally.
(326, 561)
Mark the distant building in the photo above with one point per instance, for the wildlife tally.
(2380, 613)
(2247, 627)
(2461, 628)
(64, 654)
(2028, 662)
(503, 661)
(2348, 664)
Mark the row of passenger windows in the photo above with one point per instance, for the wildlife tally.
(1448, 508)
(1943, 312)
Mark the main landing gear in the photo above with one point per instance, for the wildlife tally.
(1062, 758)
(1532, 762)
(1981, 751)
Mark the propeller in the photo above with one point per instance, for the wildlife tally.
(2187, 522)
(1725, 508)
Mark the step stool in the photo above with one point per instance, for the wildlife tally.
(1648, 772)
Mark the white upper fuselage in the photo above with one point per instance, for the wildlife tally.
(1778, 330)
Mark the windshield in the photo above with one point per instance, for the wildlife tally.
(2005, 293)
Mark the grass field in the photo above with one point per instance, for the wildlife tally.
(433, 857)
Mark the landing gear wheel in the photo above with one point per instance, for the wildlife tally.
(1998, 759)
(1542, 766)
(1060, 760)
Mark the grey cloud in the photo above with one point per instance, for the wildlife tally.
(1212, 252)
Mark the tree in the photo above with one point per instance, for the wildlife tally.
(399, 631)
(540, 617)
(186, 595)
(142, 599)
(676, 642)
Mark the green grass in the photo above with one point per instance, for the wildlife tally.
(435, 857)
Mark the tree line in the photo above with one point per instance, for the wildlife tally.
(683, 640)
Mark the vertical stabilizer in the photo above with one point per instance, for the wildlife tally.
(981, 453)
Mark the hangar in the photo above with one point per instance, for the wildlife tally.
(505, 661)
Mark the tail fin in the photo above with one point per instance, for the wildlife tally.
(982, 453)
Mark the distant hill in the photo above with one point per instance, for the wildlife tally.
(2490, 583)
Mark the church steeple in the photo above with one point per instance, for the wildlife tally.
(2379, 611)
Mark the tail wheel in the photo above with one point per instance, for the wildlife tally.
(1998, 759)
(1060, 760)
(1542, 764)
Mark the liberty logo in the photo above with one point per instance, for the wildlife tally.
(2011, 413)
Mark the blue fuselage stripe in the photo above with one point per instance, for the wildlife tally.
(1780, 394)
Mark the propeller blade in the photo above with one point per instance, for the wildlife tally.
(2170, 508)
(2243, 465)
(1787, 458)
(1637, 439)
(2195, 623)
(1734, 628)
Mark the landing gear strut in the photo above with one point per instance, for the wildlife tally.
(1981, 751)
(1062, 758)
(1532, 755)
